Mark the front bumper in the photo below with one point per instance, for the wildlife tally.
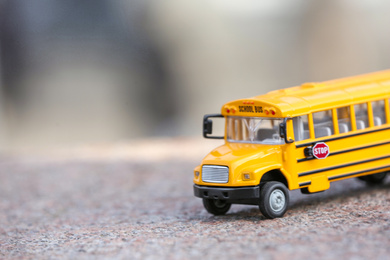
(243, 195)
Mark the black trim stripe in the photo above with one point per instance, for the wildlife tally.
(342, 166)
(344, 151)
(342, 137)
(304, 183)
(356, 173)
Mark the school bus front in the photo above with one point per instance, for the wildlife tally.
(253, 150)
(238, 164)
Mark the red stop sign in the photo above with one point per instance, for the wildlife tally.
(320, 150)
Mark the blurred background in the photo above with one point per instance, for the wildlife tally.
(97, 71)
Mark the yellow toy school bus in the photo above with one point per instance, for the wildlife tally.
(297, 138)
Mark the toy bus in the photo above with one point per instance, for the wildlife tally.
(303, 137)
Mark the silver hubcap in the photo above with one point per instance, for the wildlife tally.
(277, 200)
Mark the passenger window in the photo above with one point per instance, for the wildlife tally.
(378, 109)
(323, 123)
(344, 119)
(361, 116)
(301, 128)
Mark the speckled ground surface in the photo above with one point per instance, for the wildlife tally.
(110, 204)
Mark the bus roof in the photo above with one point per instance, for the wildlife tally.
(312, 97)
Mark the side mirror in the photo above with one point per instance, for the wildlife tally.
(208, 126)
(283, 131)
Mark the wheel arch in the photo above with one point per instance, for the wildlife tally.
(274, 175)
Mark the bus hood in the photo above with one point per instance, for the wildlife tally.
(234, 154)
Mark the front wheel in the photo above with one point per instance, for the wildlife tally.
(274, 199)
(216, 206)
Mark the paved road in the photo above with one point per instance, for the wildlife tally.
(99, 207)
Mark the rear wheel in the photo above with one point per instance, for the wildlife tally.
(216, 206)
(374, 179)
(274, 199)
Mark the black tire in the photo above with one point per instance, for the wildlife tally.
(274, 199)
(374, 179)
(216, 206)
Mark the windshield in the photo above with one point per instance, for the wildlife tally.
(254, 130)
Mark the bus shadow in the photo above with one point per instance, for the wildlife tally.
(342, 191)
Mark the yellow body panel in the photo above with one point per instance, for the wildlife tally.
(253, 159)
(354, 153)
(312, 97)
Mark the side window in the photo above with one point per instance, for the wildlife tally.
(323, 123)
(378, 109)
(361, 116)
(301, 128)
(344, 119)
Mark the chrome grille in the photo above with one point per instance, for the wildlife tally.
(215, 174)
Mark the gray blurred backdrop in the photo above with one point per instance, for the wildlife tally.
(92, 71)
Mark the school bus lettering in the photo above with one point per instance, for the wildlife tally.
(278, 142)
(320, 150)
(258, 109)
(250, 109)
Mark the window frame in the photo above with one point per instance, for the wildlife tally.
(352, 118)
